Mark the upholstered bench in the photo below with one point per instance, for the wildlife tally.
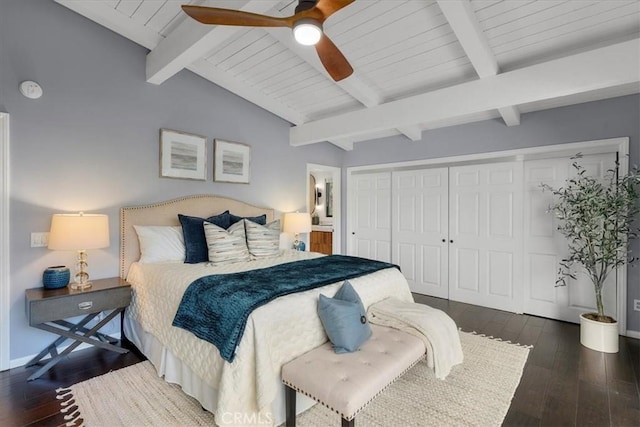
(346, 383)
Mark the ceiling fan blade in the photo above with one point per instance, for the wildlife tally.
(329, 7)
(333, 60)
(216, 16)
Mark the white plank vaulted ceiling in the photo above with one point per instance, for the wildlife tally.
(419, 64)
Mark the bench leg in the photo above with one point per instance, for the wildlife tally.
(290, 406)
(346, 423)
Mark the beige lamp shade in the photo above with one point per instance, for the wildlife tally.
(297, 222)
(79, 231)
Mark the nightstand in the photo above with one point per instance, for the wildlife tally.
(47, 309)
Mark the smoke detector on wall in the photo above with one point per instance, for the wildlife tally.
(30, 89)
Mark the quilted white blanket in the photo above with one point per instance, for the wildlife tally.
(275, 333)
(434, 327)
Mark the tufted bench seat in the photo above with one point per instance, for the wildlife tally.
(346, 383)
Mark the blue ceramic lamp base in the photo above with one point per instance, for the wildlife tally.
(299, 245)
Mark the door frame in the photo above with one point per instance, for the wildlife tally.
(336, 175)
(4, 243)
(600, 146)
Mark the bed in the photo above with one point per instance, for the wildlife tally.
(248, 390)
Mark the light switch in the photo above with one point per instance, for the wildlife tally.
(40, 240)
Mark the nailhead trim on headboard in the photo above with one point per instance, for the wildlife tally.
(165, 213)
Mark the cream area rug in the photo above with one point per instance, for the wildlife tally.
(476, 393)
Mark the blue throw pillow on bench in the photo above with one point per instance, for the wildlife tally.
(344, 319)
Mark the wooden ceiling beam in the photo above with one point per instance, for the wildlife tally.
(510, 115)
(466, 27)
(191, 41)
(110, 18)
(233, 84)
(606, 67)
(414, 133)
(354, 85)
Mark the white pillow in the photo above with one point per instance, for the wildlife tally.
(226, 246)
(160, 243)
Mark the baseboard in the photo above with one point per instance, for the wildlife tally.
(633, 334)
(16, 363)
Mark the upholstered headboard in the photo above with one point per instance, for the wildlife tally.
(166, 213)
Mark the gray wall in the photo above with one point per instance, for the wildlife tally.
(91, 142)
(590, 121)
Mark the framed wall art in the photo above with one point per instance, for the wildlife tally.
(183, 155)
(231, 162)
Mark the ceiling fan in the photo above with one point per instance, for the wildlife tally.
(306, 24)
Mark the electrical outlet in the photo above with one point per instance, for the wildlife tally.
(40, 240)
(636, 304)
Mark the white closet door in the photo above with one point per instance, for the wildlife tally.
(545, 247)
(371, 229)
(420, 229)
(485, 232)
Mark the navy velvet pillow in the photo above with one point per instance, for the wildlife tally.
(195, 243)
(344, 319)
(262, 219)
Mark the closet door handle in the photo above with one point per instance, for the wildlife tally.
(444, 240)
(450, 241)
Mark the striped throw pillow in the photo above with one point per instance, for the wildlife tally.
(226, 246)
(263, 240)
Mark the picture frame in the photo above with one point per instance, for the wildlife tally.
(231, 162)
(183, 155)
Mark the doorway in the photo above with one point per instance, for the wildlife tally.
(323, 203)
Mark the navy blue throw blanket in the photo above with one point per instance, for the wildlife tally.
(215, 308)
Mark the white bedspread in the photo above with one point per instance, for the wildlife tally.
(434, 327)
(275, 333)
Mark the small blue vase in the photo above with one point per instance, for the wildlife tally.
(56, 277)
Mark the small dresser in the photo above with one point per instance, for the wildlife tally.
(47, 309)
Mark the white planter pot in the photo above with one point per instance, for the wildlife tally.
(599, 336)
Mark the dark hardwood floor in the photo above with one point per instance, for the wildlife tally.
(563, 383)
(34, 403)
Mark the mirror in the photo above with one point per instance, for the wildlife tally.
(328, 189)
(313, 195)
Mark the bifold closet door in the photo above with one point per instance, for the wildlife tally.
(420, 229)
(370, 232)
(545, 247)
(485, 235)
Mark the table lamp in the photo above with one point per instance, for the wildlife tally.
(297, 222)
(79, 232)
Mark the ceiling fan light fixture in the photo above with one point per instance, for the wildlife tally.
(306, 25)
(307, 31)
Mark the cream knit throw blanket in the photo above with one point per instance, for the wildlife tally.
(438, 331)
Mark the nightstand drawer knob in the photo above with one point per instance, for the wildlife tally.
(85, 305)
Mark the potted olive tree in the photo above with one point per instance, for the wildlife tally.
(597, 218)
